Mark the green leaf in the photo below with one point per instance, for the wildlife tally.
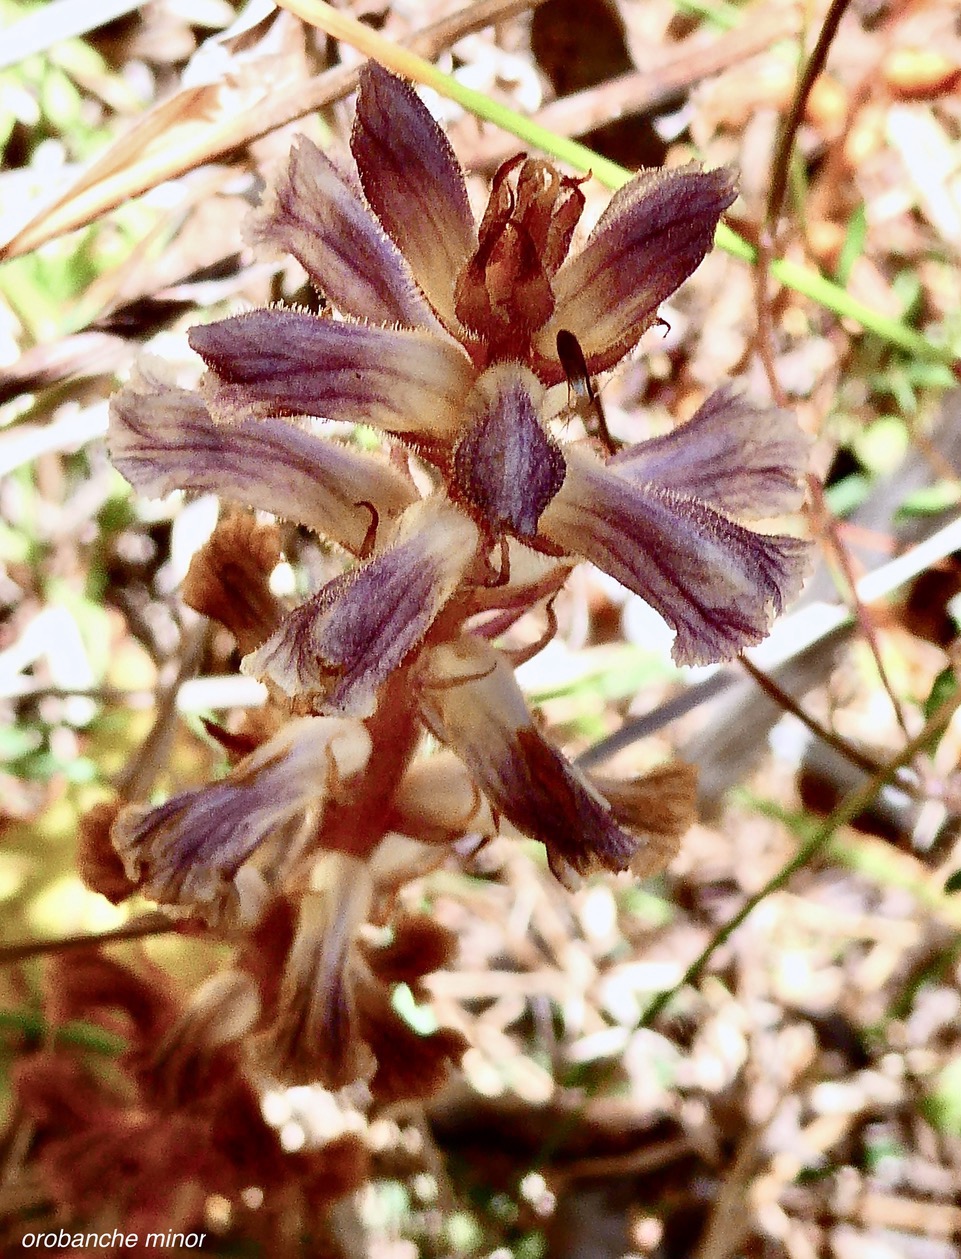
(944, 686)
(942, 1106)
(853, 246)
(882, 445)
(930, 500)
(847, 494)
(420, 1018)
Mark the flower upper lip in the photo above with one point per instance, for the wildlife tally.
(515, 267)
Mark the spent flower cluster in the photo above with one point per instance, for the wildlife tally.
(457, 341)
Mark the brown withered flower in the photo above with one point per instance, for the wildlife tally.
(169, 1121)
(454, 340)
(330, 1019)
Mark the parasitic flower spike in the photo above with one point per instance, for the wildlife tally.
(451, 338)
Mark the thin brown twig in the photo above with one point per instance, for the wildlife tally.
(151, 924)
(635, 1162)
(138, 775)
(825, 521)
(728, 1223)
(676, 70)
(764, 334)
(831, 532)
(785, 145)
(835, 741)
(765, 329)
(776, 189)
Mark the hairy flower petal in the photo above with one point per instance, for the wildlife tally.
(716, 583)
(286, 362)
(336, 650)
(315, 1037)
(658, 807)
(414, 183)
(505, 466)
(162, 438)
(652, 236)
(317, 212)
(471, 701)
(744, 460)
(189, 851)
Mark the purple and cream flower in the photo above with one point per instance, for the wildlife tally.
(454, 339)
(448, 343)
(220, 851)
(470, 700)
(339, 648)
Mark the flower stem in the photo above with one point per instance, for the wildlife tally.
(803, 280)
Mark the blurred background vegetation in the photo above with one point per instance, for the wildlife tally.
(801, 1095)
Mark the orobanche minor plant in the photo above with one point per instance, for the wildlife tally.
(456, 340)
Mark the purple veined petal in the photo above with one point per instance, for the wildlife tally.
(652, 236)
(190, 852)
(714, 582)
(471, 702)
(744, 460)
(286, 362)
(315, 1036)
(414, 183)
(335, 651)
(162, 438)
(506, 466)
(317, 212)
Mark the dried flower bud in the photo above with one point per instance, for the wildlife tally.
(228, 579)
(98, 864)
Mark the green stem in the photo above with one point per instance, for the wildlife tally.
(852, 804)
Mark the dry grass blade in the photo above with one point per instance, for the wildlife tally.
(690, 62)
(200, 124)
(195, 125)
(63, 19)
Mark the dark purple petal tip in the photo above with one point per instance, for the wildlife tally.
(473, 704)
(714, 582)
(413, 182)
